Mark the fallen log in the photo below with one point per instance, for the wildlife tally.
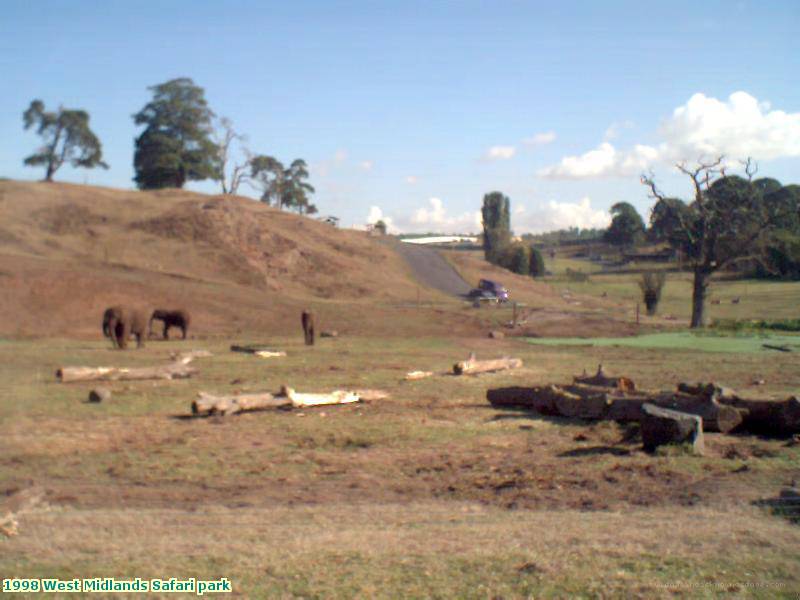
(540, 399)
(189, 356)
(414, 375)
(318, 399)
(777, 417)
(209, 404)
(601, 379)
(661, 426)
(778, 348)
(177, 370)
(472, 366)
(369, 395)
(258, 350)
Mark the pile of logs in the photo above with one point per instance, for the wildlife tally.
(616, 398)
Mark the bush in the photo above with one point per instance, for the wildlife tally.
(517, 259)
(651, 284)
(577, 276)
(536, 263)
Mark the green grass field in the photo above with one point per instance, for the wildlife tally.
(684, 340)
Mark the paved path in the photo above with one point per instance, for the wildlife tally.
(431, 269)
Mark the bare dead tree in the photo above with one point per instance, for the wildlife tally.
(750, 167)
(726, 223)
(239, 172)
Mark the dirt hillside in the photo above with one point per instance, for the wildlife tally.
(68, 251)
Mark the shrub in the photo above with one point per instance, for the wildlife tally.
(536, 263)
(577, 276)
(651, 284)
(517, 259)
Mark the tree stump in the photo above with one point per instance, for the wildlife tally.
(661, 426)
(99, 394)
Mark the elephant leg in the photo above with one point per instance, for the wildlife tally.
(112, 333)
(139, 339)
(126, 333)
(183, 329)
(166, 330)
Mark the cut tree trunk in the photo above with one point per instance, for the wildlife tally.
(540, 399)
(774, 417)
(472, 366)
(177, 370)
(209, 404)
(664, 426)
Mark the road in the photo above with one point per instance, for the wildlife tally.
(431, 269)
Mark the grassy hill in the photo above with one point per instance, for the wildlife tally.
(68, 251)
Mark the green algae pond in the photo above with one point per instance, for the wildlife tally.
(685, 340)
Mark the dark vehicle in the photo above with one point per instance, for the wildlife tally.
(490, 290)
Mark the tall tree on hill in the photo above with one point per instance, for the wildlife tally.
(296, 188)
(281, 186)
(268, 174)
(176, 145)
(67, 139)
(627, 227)
(496, 213)
(729, 220)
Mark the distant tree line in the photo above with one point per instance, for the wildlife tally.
(178, 144)
(571, 235)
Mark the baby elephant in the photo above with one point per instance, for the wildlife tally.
(307, 319)
(119, 322)
(171, 318)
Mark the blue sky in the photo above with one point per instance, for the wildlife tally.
(411, 111)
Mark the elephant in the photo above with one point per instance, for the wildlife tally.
(171, 318)
(124, 321)
(307, 319)
(112, 312)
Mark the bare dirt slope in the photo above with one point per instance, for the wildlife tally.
(68, 251)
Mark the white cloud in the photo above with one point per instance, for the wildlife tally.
(433, 217)
(739, 128)
(500, 153)
(340, 155)
(540, 139)
(560, 215)
(703, 127)
(411, 180)
(366, 165)
(614, 129)
(605, 160)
